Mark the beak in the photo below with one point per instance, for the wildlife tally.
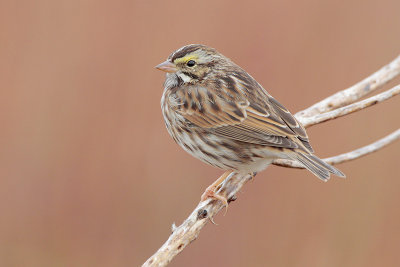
(166, 66)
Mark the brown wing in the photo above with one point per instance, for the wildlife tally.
(291, 122)
(240, 109)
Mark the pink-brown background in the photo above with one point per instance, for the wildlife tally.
(90, 177)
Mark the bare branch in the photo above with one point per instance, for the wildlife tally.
(188, 231)
(358, 153)
(337, 113)
(366, 149)
(355, 92)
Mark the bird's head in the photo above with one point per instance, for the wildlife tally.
(191, 64)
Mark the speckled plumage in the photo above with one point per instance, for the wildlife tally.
(219, 114)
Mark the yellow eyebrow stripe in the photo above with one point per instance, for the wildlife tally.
(185, 59)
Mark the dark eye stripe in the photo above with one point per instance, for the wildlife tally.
(191, 75)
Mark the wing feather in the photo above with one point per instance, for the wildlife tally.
(247, 114)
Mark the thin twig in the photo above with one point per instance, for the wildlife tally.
(358, 153)
(355, 92)
(365, 150)
(337, 113)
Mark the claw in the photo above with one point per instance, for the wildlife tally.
(212, 220)
(253, 175)
(210, 193)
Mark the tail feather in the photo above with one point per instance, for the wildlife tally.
(317, 166)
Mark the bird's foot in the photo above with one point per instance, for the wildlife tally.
(210, 191)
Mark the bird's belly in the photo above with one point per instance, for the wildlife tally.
(218, 151)
(227, 154)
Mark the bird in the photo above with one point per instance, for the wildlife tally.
(221, 115)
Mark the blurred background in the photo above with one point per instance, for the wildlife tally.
(90, 177)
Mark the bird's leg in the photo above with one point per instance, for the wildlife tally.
(210, 191)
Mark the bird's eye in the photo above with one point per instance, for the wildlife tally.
(191, 63)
